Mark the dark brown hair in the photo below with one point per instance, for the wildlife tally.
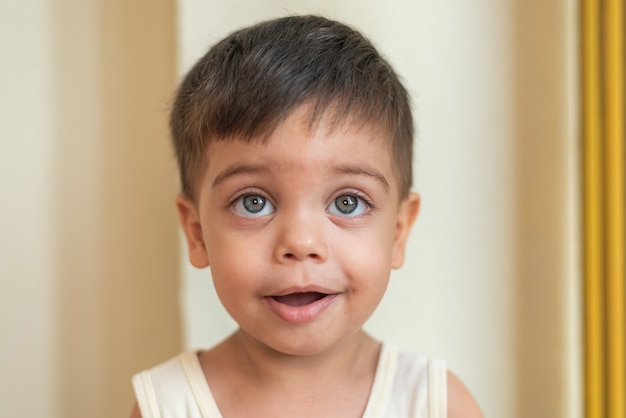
(253, 79)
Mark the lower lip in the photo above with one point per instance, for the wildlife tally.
(300, 314)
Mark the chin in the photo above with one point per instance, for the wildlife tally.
(307, 345)
(299, 347)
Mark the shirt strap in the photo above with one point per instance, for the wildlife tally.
(437, 389)
(199, 386)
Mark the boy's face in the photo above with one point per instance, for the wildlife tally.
(300, 232)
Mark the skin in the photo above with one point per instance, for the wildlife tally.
(315, 212)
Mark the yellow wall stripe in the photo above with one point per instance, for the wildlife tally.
(604, 208)
(614, 183)
(592, 211)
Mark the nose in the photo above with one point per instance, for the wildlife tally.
(301, 237)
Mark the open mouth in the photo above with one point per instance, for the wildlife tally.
(301, 307)
(299, 299)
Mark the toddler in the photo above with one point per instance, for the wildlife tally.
(294, 143)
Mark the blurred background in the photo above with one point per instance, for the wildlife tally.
(94, 281)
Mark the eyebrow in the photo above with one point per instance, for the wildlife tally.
(236, 170)
(363, 171)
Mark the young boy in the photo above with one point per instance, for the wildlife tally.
(294, 141)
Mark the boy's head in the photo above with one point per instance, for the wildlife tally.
(251, 81)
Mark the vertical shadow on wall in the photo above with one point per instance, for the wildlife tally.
(542, 213)
(118, 246)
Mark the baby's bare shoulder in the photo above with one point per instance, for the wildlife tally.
(461, 403)
(135, 413)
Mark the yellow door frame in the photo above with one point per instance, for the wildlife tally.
(603, 114)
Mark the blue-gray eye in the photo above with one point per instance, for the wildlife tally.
(347, 205)
(253, 205)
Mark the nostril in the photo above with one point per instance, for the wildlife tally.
(294, 256)
(299, 246)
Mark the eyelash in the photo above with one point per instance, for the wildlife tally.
(247, 192)
(358, 194)
(350, 192)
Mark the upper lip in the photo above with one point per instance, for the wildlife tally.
(304, 289)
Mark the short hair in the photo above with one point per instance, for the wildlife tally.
(252, 80)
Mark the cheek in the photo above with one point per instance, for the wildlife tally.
(231, 265)
(227, 246)
(233, 280)
(375, 244)
(367, 255)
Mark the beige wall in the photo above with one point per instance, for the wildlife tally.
(547, 275)
(89, 255)
(27, 306)
(88, 248)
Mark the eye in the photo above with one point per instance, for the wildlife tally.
(253, 205)
(347, 205)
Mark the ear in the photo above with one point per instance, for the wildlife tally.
(190, 221)
(407, 213)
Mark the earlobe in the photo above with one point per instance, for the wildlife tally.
(190, 222)
(407, 213)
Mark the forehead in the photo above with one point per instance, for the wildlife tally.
(300, 142)
(330, 130)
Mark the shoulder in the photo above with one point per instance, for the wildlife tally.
(461, 403)
(415, 375)
(166, 385)
(135, 413)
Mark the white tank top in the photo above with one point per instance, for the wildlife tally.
(406, 385)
